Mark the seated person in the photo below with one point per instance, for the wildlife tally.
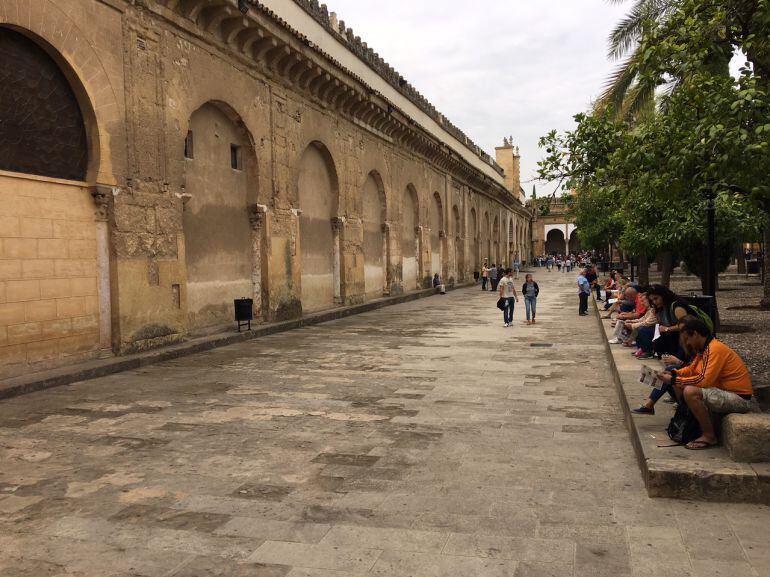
(682, 358)
(716, 380)
(631, 295)
(671, 309)
(643, 330)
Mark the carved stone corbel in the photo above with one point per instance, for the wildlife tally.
(257, 215)
(102, 194)
(338, 223)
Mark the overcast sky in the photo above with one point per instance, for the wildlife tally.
(495, 68)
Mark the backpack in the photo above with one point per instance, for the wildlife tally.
(683, 426)
(696, 312)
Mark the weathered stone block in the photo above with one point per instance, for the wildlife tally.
(747, 437)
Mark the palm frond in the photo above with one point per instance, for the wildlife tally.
(618, 85)
(629, 30)
(640, 101)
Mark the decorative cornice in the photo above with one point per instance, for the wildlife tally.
(296, 60)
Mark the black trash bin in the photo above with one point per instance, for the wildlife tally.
(708, 305)
(604, 266)
(752, 266)
(244, 313)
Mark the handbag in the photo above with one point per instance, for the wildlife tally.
(501, 303)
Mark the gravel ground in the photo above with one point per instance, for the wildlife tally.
(744, 327)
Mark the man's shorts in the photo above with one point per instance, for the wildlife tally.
(719, 401)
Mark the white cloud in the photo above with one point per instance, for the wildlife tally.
(495, 67)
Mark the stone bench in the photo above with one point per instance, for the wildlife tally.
(747, 437)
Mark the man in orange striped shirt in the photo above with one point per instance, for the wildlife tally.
(716, 380)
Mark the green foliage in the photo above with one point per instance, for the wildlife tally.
(642, 180)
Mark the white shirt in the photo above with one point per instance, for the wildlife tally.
(506, 288)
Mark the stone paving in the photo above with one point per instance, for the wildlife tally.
(419, 440)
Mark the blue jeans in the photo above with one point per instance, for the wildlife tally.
(530, 303)
(508, 310)
(644, 338)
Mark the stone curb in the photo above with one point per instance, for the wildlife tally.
(715, 478)
(103, 367)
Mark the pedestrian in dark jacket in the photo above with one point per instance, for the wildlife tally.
(530, 290)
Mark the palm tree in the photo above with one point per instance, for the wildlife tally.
(629, 93)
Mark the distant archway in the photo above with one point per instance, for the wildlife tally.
(574, 242)
(554, 242)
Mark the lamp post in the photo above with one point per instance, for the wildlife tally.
(711, 269)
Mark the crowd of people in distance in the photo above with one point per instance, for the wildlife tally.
(561, 262)
(700, 371)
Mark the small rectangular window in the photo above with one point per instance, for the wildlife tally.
(188, 145)
(235, 157)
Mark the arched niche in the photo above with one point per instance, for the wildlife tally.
(410, 239)
(374, 217)
(220, 175)
(318, 194)
(474, 227)
(459, 252)
(49, 155)
(496, 240)
(436, 233)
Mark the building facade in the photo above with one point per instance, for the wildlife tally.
(160, 158)
(554, 231)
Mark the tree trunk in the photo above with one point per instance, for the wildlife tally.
(765, 304)
(644, 271)
(666, 268)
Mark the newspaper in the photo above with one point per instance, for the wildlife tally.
(650, 377)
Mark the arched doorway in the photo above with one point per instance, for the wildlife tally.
(375, 238)
(48, 129)
(221, 177)
(554, 242)
(436, 233)
(410, 242)
(487, 242)
(511, 243)
(319, 262)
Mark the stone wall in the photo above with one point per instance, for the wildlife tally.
(229, 155)
(49, 309)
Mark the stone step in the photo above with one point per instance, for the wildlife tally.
(672, 471)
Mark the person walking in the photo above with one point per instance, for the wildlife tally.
(516, 266)
(507, 292)
(584, 289)
(484, 276)
(530, 290)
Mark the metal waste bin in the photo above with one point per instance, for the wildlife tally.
(244, 312)
(708, 305)
(752, 266)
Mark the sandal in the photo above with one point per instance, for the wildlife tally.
(699, 445)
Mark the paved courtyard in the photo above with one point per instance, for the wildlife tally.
(419, 440)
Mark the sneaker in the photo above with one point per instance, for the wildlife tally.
(614, 341)
(643, 411)
(505, 324)
(644, 356)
